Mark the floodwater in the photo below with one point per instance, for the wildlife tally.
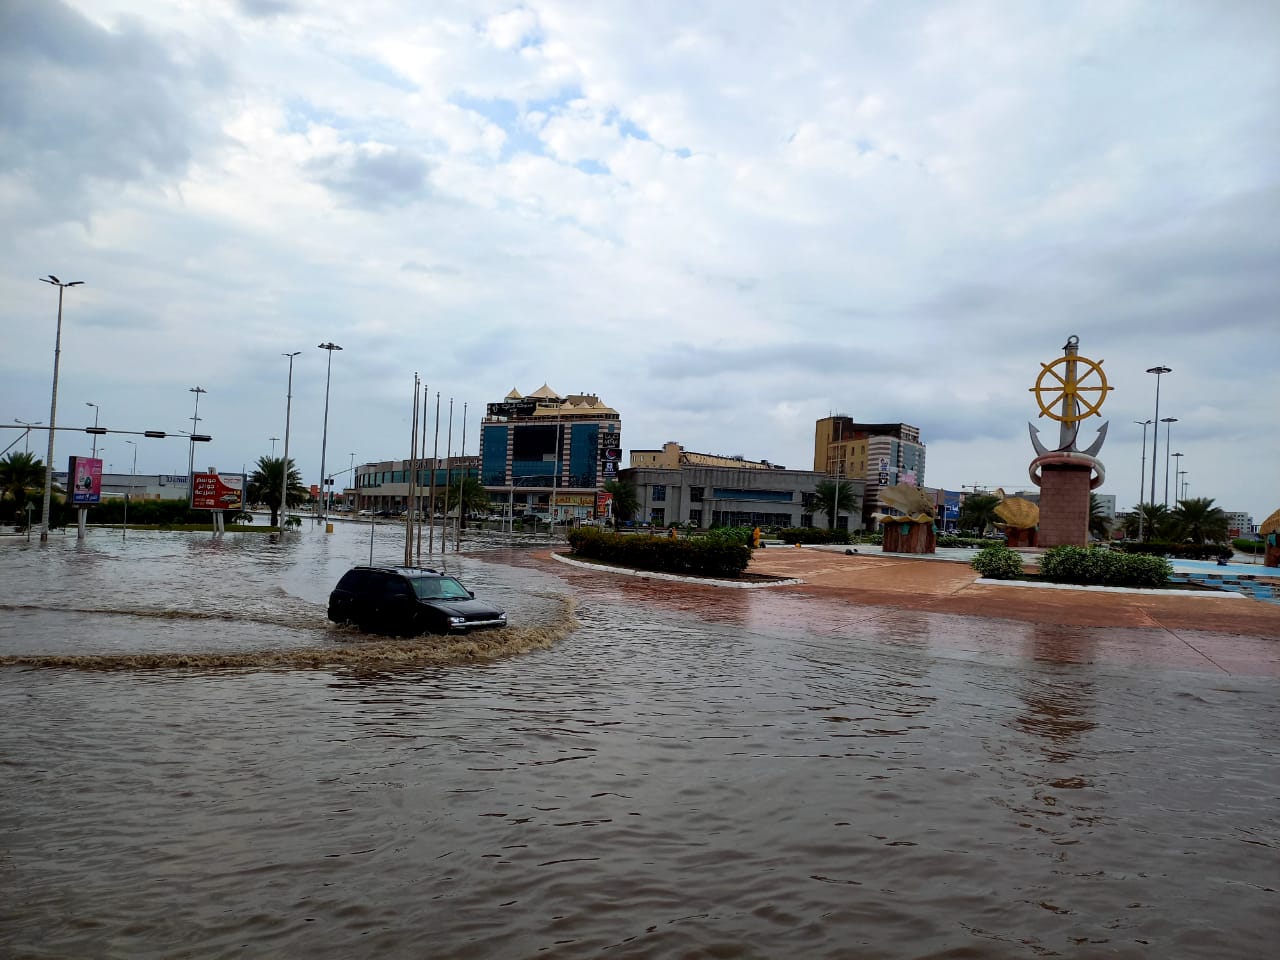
(688, 772)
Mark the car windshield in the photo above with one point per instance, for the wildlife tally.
(440, 588)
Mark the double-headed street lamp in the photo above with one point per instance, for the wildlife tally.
(1155, 437)
(1168, 422)
(288, 411)
(26, 439)
(1142, 474)
(53, 406)
(195, 421)
(324, 437)
(1176, 471)
(95, 426)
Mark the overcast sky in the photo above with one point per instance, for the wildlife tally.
(726, 219)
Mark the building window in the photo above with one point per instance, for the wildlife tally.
(695, 517)
(658, 517)
(659, 493)
(695, 494)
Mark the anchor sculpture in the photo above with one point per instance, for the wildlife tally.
(1062, 397)
(1070, 389)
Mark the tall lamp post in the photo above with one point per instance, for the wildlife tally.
(284, 469)
(1176, 470)
(324, 436)
(191, 455)
(133, 472)
(53, 406)
(26, 440)
(1168, 422)
(1142, 473)
(1155, 436)
(273, 446)
(95, 426)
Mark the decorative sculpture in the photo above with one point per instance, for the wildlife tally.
(1270, 530)
(1019, 519)
(1070, 389)
(911, 532)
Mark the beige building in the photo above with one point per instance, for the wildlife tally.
(875, 454)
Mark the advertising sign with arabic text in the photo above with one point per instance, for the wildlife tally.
(85, 475)
(209, 491)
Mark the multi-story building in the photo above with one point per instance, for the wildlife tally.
(676, 486)
(385, 485)
(877, 454)
(1239, 524)
(548, 454)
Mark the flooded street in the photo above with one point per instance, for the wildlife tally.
(691, 772)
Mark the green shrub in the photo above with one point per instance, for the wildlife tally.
(1250, 546)
(953, 540)
(998, 562)
(704, 556)
(1095, 566)
(1184, 551)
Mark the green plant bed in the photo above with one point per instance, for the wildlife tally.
(719, 556)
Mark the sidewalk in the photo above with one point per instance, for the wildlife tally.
(948, 586)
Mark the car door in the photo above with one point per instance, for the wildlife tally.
(397, 605)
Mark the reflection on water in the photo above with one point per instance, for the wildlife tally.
(689, 773)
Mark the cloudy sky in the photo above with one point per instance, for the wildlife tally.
(727, 219)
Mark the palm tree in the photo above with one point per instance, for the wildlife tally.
(470, 491)
(264, 485)
(1198, 520)
(1099, 524)
(1157, 523)
(832, 496)
(978, 512)
(625, 501)
(20, 472)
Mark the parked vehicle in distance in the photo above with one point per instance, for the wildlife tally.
(408, 601)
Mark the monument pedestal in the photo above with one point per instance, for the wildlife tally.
(1016, 537)
(1064, 505)
(908, 537)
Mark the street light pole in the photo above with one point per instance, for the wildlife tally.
(53, 406)
(26, 438)
(95, 426)
(1169, 421)
(324, 437)
(191, 455)
(1142, 473)
(1155, 435)
(284, 470)
(1176, 470)
(133, 472)
(273, 446)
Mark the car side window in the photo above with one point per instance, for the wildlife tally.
(352, 580)
(396, 587)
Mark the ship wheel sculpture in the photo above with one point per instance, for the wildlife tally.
(1069, 395)
(1070, 386)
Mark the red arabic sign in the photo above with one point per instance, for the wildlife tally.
(212, 492)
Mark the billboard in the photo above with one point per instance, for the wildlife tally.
(209, 491)
(85, 477)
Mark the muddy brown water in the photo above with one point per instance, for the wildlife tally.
(687, 772)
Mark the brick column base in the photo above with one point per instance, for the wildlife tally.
(1064, 506)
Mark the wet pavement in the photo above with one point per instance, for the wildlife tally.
(861, 767)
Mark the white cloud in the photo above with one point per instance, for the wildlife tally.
(727, 223)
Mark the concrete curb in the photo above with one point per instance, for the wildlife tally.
(654, 575)
(1095, 589)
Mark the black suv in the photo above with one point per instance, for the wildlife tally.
(409, 600)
